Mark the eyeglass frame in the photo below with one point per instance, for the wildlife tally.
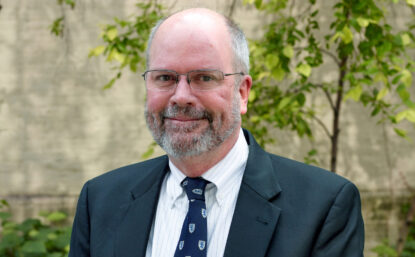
(187, 74)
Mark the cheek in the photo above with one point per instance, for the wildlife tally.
(156, 101)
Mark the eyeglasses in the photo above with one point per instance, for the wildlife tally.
(201, 80)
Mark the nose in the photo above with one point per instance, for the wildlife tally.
(183, 95)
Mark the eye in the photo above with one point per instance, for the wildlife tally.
(204, 77)
(164, 77)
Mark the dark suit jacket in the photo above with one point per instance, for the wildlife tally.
(284, 209)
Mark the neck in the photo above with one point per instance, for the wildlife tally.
(196, 166)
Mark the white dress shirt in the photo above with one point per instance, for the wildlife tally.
(220, 195)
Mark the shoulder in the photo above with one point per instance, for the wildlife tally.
(300, 181)
(124, 178)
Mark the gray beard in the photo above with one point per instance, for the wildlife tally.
(186, 145)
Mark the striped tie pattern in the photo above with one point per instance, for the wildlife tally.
(193, 238)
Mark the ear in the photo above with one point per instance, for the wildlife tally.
(244, 89)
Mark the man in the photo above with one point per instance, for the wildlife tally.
(249, 203)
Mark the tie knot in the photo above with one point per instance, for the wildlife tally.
(195, 188)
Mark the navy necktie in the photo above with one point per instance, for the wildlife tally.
(193, 238)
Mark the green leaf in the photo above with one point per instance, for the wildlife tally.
(278, 73)
(408, 114)
(362, 22)
(10, 240)
(150, 151)
(4, 202)
(5, 215)
(252, 96)
(288, 51)
(347, 35)
(406, 78)
(283, 103)
(57, 216)
(254, 119)
(109, 84)
(410, 2)
(400, 132)
(382, 93)
(96, 51)
(304, 69)
(354, 93)
(406, 39)
(271, 61)
(34, 247)
(258, 4)
(115, 55)
(112, 33)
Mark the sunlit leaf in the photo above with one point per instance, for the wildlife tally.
(362, 22)
(410, 2)
(347, 35)
(271, 60)
(408, 114)
(406, 78)
(283, 103)
(115, 55)
(112, 33)
(382, 93)
(354, 93)
(96, 51)
(278, 74)
(400, 132)
(57, 216)
(288, 51)
(406, 39)
(304, 69)
(252, 96)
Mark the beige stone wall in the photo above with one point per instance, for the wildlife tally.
(58, 128)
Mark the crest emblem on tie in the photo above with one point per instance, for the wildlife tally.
(192, 227)
(181, 244)
(204, 214)
(197, 191)
(185, 183)
(202, 245)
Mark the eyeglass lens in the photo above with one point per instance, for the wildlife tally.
(198, 80)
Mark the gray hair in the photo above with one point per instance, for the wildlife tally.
(238, 43)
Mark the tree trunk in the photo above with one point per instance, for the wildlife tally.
(336, 115)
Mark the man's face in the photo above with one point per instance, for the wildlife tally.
(184, 121)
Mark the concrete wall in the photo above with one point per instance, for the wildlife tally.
(58, 128)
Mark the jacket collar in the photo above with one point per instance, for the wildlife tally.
(254, 221)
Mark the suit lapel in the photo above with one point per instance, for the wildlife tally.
(255, 217)
(133, 232)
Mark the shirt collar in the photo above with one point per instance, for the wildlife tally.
(221, 175)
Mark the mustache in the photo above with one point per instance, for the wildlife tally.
(188, 111)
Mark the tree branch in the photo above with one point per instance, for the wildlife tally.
(405, 182)
(331, 55)
(232, 8)
(328, 96)
(321, 123)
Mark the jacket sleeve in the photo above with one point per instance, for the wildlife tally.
(342, 234)
(80, 240)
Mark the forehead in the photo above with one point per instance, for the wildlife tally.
(191, 41)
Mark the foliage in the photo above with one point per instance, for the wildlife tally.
(386, 249)
(126, 40)
(32, 237)
(58, 24)
(367, 53)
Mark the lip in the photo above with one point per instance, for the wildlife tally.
(182, 119)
